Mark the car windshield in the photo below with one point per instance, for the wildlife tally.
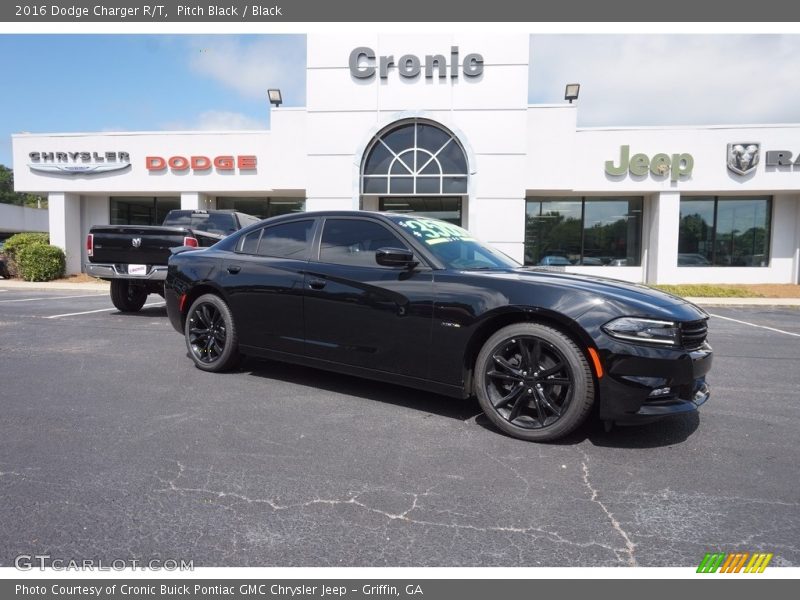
(455, 246)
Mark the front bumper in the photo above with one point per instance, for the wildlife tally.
(643, 383)
(120, 271)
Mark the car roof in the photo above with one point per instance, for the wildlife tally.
(384, 216)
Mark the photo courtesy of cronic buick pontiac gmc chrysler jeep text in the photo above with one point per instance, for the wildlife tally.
(419, 302)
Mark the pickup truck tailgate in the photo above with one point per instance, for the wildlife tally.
(145, 245)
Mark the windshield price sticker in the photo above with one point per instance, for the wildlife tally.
(435, 232)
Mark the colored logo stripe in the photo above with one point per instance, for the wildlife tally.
(734, 562)
(758, 563)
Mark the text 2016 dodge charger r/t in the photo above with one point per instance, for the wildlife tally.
(420, 302)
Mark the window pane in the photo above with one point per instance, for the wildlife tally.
(612, 231)
(401, 185)
(431, 138)
(404, 164)
(553, 231)
(452, 159)
(283, 207)
(249, 243)
(454, 185)
(400, 139)
(742, 232)
(445, 209)
(377, 162)
(696, 232)
(288, 240)
(431, 168)
(354, 242)
(428, 185)
(375, 185)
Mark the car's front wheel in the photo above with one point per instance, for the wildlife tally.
(211, 334)
(533, 382)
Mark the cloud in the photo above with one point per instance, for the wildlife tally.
(218, 120)
(249, 65)
(670, 79)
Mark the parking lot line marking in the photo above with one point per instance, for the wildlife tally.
(51, 298)
(88, 312)
(755, 325)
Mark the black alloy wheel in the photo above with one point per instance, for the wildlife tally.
(533, 382)
(210, 334)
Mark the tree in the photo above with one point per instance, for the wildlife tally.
(9, 196)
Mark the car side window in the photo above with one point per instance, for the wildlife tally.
(354, 242)
(249, 243)
(287, 240)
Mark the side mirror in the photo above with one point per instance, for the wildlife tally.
(395, 257)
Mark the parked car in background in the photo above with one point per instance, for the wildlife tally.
(554, 261)
(134, 257)
(419, 302)
(693, 260)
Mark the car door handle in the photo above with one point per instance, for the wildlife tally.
(317, 284)
(234, 269)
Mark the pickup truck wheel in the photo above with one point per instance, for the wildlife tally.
(211, 335)
(127, 297)
(533, 382)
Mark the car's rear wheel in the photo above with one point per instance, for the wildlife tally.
(211, 334)
(533, 382)
(127, 297)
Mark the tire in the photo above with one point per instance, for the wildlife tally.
(542, 403)
(127, 297)
(210, 334)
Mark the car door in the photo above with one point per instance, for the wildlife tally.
(363, 314)
(264, 281)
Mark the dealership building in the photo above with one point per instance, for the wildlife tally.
(440, 125)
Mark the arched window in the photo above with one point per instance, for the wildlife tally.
(414, 158)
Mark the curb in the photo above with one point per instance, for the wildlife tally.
(744, 302)
(100, 286)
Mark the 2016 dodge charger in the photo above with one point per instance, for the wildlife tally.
(419, 302)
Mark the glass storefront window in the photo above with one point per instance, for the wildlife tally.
(446, 209)
(138, 210)
(724, 232)
(583, 231)
(262, 208)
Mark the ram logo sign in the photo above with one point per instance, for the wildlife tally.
(743, 157)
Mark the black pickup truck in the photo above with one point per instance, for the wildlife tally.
(134, 257)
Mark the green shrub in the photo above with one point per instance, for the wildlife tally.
(19, 241)
(39, 262)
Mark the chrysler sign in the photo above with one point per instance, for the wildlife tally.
(78, 163)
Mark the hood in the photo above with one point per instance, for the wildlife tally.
(644, 298)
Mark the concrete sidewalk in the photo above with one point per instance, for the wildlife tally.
(102, 286)
(52, 286)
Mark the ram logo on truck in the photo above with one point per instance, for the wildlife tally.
(136, 242)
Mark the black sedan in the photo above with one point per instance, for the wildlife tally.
(419, 302)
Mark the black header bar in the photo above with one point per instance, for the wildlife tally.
(441, 11)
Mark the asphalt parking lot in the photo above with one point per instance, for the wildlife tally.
(113, 446)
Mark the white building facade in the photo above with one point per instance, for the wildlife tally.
(440, 125)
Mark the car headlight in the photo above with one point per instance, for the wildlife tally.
(643, 330)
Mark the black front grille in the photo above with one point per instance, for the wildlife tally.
(693, 334)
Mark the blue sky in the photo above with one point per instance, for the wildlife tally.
(63, 83)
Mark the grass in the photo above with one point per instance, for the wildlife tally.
(708, 290)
